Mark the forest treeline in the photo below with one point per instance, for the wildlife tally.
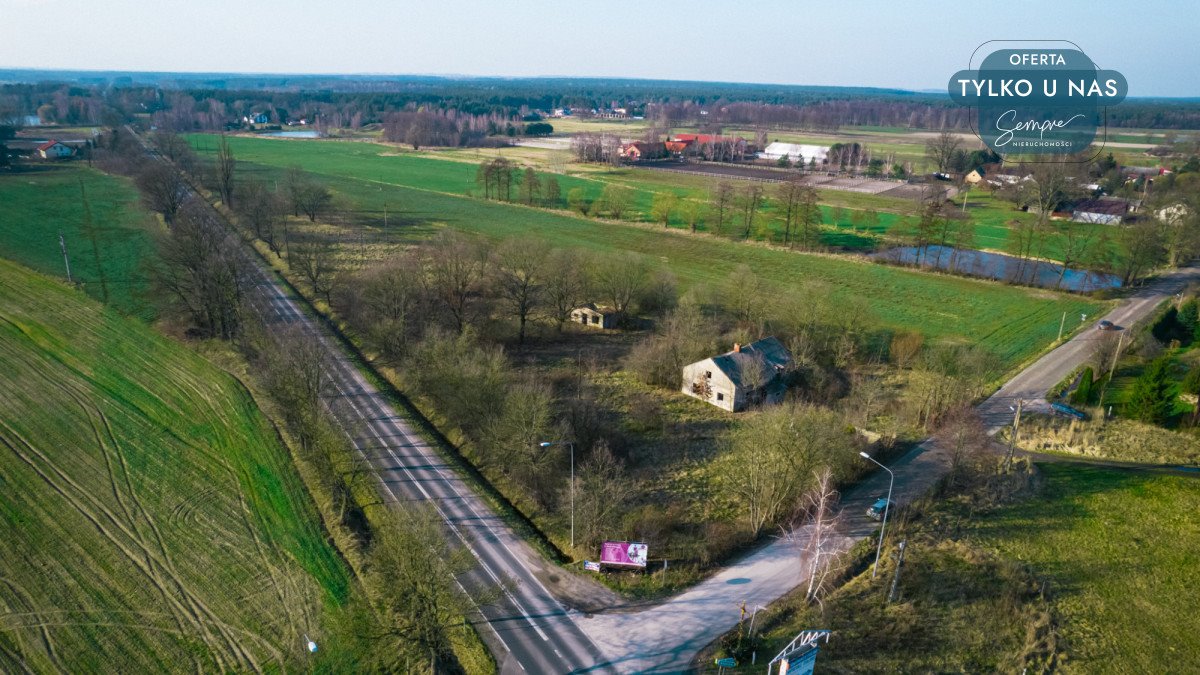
(494, 105)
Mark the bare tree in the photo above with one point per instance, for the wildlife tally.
(313, 199)
(566, 284)
(531, 187)
(721, 202)
(455, 269)
(520, 279)
(204, 269)
(751, 201)
(940, 149)
(621, 277)
(163, 189)
(314, 259)
(963, 434)
(788, 195)
(225, 168)
(820, 504)
(808, 217)
(260, 211)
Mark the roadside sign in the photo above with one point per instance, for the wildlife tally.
(590, 566)
(624, 553)
(727, 662)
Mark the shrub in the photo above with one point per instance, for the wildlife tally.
(1153, 396)
(1083, 393)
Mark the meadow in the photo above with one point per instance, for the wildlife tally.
(152, 518)
(1092, 570)
(1013, 323)
(107, 256)
(453, 171)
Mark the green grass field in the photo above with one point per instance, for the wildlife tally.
(1120, 551)
(36, 206)
(1094, 572)
(152, 520)
(453, 171)
(1011, 322)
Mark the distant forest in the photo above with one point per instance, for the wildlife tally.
(464, 111)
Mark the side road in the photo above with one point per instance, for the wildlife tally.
(666, 637)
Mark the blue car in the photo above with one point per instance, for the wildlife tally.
(1067, 411)
(879, 508)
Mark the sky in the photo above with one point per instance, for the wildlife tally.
(911, 44)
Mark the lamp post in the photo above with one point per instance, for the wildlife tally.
(546, 444)
(886, 506)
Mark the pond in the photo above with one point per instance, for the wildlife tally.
(292, 134)
(1000, 267)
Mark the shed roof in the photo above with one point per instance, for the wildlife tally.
(1108, 207)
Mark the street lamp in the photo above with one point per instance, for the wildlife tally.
(886, 505)
(546, 444)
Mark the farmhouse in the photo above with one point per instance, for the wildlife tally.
(795, 152)
(1104, 211)
(54, 150)
(747, 375)
(594, 317)
(709, 146)
(639, 150)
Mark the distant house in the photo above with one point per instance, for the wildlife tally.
(54, 150)
(1002, 179)
(639, 150)
(795, 152)
(1103, 210)
(677, 148)
(1132, 172)
(747, 375)
(594, 317)
(1173, 214)
(975, 176)
(709, 146)
(257, 118)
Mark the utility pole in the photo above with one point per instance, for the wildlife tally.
(1061, 325)
(62, 244)
(1016, 429)
(896, 577)
(1112, 369)
(571, 445)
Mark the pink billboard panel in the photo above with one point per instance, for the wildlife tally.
(629, 554)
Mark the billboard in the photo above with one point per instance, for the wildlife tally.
(624, 553)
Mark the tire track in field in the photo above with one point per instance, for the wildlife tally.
(97, 514)
(200, 615)
(13, 658)
(133, 406)
(136, 535)
(197, 603)
(26, 599)
(262, 553)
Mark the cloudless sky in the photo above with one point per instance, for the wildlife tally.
(911, 44)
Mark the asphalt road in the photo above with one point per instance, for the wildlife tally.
(530, 630)
(1031, 384)
(525, 626)
(666, 638)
